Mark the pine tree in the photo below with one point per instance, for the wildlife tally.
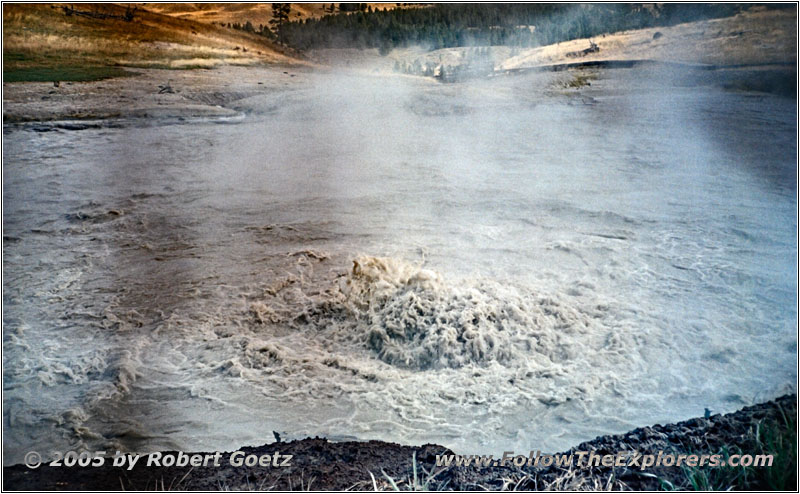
(280, 16)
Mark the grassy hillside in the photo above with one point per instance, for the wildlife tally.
(43, 42)
(256, 13)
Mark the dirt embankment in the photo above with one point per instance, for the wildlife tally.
(317, 464)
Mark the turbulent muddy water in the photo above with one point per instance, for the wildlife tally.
(495, 265)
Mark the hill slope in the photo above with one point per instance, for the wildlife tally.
(48, 42)
(256, 13)
(756, 36)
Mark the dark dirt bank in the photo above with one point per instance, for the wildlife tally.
(317, 464)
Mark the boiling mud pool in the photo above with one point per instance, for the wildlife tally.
(491, 265)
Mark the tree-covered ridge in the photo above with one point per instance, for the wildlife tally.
(482, 24)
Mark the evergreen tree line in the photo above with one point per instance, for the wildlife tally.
(249, 28)
(280, 16)
(484, 24)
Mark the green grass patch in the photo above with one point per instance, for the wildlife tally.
(16, 56)
(775, 438)
(63, 73)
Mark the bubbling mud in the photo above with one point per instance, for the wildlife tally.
(412, 318)
(590, 263)
(387, 323)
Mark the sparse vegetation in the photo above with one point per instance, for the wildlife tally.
(41, 42)
(579, 80)
(778, 439)
(420, 479)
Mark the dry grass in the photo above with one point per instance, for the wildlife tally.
(577, 479)
(256, 13)
(752, 37)
(40, 37)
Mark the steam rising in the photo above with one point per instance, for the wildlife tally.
(504, 263)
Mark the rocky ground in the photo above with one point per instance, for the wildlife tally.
(317, 464)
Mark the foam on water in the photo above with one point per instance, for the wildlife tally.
(440, 264)
(411, 318)
(396, 339)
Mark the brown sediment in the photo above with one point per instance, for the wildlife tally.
(192, 93)
(317, 464)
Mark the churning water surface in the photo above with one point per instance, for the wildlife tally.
(490, 265)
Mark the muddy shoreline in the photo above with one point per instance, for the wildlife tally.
(147, 94)
(317, 464)
(159, 95)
